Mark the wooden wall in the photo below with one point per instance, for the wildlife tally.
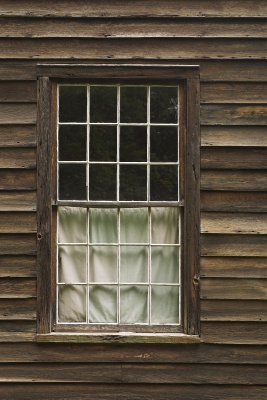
(227, 38)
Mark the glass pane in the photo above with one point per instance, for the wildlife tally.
(163, 144)
(133, 143)
(103, 143)
(165, 304)
(134, 304)
(164, 225)
(103, 104)
(72, 103)
(164, 105)
(133, 104)
(72, 142)
(134, 264)
(102, 225)
(134, 225)
(72, 264)
(72, 182)
(165, 264)
(133, 181)
(72, 224)
(72, 303)
(102, 182)
(103, 304)
(103, 264)
(163, 183)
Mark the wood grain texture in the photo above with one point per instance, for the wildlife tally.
(147, 48)
(103, 8)
(234, 201)
(16, 244)
(17, 288)
(226, 92)
(130, 28)
(17, 158)
(17, 92)
(234, 332)
(234, 245)
(233, 267)
(239, 289)
(17, 135)
(17, 179)
(17, 113)
(17, 201)
(233, 158)
(234, 180)
(17, 222)
(233, 310)
(233, 114)
(18, 309)
(17, 266)
(241, 223)
(237, 136)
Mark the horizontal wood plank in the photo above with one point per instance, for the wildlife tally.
(17, 222)
(17, 135)
(127, 28)
(234, 245)
(237, 136)
(17, 201)
(17, 288)
(117, 391)
(17, 113)
(234, 180)
(147, 48)
(241, 223)
(17, 158)
(233, 201)
(18, 309)
(234, 332)
(226, 92)
(103, 8)
(17, 266)
(233, 267)
(233, 158)
(16, 244)
(17, 91)
(233, 114)
(17, 179)
(233, 310)
(241, 289)
(13, 326)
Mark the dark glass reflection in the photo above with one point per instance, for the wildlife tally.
(163, 183)
(103, 104)
(72, 142)
(133, 104)
(102, 181)
(163, 143)
(133, 146)
(133, 180)
(72, 103)
(103, 143)
(72, 182)
(163, 105)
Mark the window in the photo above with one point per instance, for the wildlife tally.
(118, 215)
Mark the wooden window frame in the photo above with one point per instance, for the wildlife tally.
(188, 79)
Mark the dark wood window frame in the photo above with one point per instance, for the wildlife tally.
(188, 79)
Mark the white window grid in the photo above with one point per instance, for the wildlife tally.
(119, 205)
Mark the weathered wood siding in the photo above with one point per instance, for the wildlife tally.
(227, 38)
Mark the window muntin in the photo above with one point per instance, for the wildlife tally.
(119, 148)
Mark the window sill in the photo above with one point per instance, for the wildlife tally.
(122, 337)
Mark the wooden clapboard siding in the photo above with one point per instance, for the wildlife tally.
(130, 28)
(227, 39)
(236, 136)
